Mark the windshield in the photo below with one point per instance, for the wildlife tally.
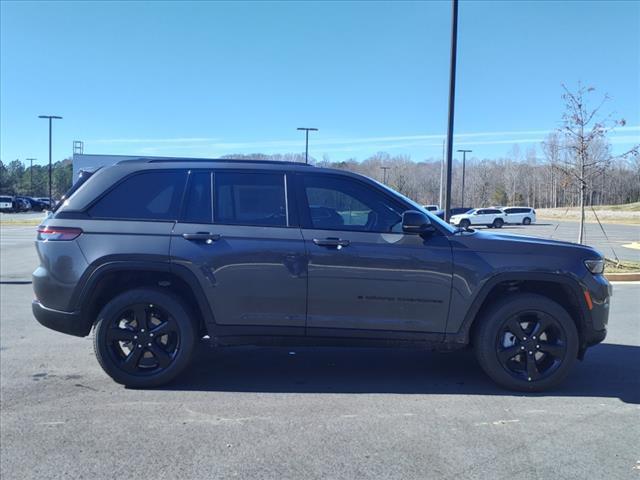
(420, 208)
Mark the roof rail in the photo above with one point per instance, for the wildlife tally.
(208, 160)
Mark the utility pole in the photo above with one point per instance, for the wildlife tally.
(441, 204)
(306, 149)
(31, 175)
(464, 161)
(51, 117)
(452, 96)
(384, 174)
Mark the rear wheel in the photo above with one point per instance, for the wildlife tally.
(526, 342)
(144, 338)
(497, 223)
(464, 223)
(526, 221)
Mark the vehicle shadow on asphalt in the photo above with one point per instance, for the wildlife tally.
(608, 370)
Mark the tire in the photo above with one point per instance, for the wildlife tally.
(464, 223)
(526, 221)
(515, 327)
(166, 344)
(497, 223)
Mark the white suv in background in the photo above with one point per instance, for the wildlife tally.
(520, 215)
(490, 217)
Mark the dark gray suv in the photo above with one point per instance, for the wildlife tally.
(154, 255)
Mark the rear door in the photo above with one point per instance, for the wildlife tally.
(480, 217)
(366, 277)
(240, 238)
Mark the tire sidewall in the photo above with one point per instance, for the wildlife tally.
(174, 307)
(526, 221)
(492, 321)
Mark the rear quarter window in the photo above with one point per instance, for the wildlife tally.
(153, 195)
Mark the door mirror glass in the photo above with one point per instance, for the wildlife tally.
(416, 222)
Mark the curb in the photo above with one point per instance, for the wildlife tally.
(623, 277)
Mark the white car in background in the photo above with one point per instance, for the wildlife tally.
(520, 215)
(6, 203)
(489, 217)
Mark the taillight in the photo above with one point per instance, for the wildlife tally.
(58, 233)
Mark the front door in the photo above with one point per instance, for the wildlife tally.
(365, 275)
(235, 236)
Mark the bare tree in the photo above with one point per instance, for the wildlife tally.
(584, 132)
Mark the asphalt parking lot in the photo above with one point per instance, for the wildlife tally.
(251, 412)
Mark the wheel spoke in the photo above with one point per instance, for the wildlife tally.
(163, 328)
(514, 327)
(120, 334)
(508, 353)
(542, 323)
(130, 363)
(140, 313)
(554, 350)
(532, 368)
(162, 357)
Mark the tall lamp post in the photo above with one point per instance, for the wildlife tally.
(452, 96)
(306, 149)
(464, 160)
(31, 175)
(51, 118)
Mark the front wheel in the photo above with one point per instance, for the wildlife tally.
(526, 342)
(526, 221)
(464, 223)
(144, 338)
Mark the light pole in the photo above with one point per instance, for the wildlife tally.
(50, 117)
(464, 159)
(452, 96)
(306, 149)
(384, 174)
(31, 175)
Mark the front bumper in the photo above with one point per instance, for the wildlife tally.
(65, 322)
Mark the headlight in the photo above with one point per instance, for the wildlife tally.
(595, 266)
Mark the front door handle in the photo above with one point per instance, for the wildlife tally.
(201, 237)
(331, 242)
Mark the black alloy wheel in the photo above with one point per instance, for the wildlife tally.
(144, 338)
(498, 223)
(531, 345)
(526, 342)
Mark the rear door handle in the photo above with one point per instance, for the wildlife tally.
(331, 242)
(201, 237)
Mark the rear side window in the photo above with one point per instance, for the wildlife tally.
(154, 195)
(246, 198)
(198, 207)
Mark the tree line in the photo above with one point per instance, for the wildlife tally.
(19, 178)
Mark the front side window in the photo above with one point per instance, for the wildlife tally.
(246, 198)
(153, 195)
(335, 203)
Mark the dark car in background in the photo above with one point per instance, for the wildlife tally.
(154, 255)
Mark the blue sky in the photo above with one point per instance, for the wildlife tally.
(207, 79)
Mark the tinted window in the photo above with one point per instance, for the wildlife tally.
(250, 199)
(146, 196)
(198, 205)
(493, 212)
(342, 204)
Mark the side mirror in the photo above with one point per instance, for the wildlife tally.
(416, 222)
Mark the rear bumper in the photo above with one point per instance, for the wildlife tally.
(65, 322)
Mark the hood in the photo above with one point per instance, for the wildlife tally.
(523, 245)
